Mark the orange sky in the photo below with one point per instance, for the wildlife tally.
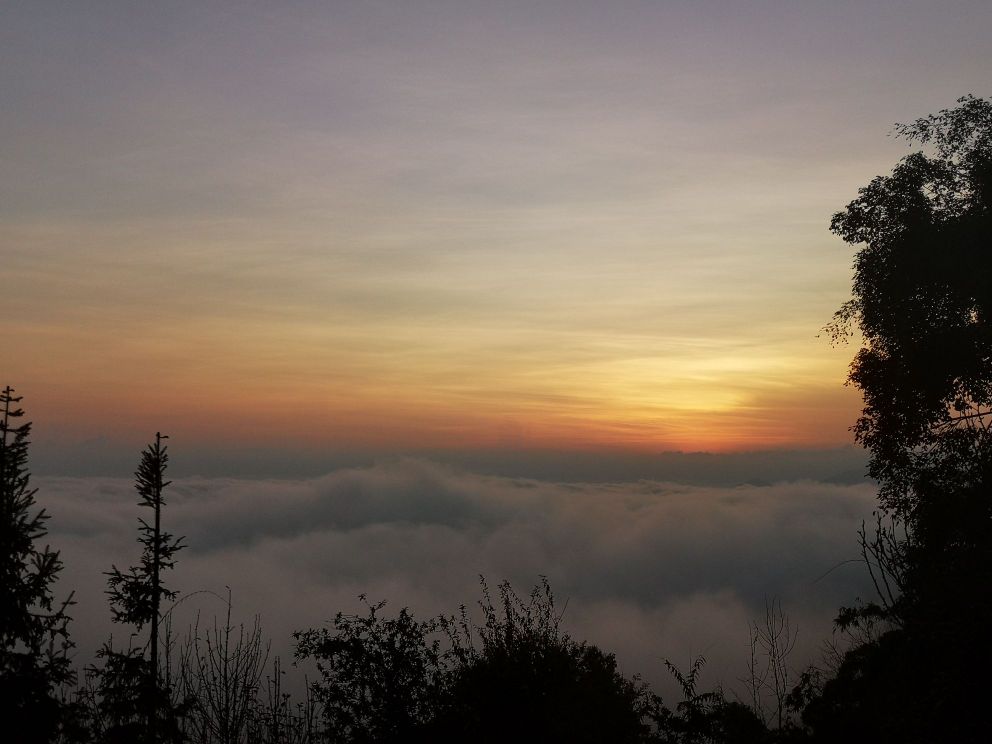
(407, 228)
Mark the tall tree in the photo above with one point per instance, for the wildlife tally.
(34, 638)
(922, 299)
(134, 700)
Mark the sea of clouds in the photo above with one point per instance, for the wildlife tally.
(647, 569)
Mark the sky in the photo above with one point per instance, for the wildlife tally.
(460, 226)
(427, 290)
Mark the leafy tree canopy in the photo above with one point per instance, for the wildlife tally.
(922, 299)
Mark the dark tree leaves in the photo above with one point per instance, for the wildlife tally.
(922, 299)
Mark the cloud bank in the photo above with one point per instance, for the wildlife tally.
(650, 570)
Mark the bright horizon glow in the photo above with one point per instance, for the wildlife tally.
(448, 225)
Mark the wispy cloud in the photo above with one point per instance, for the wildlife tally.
(596, 225)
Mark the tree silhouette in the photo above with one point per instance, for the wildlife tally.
(134, 704)
(922, 299)
(380, 676)
(34, 638)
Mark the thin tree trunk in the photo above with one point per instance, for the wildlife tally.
(153, 686)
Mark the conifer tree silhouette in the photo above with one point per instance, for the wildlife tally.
(134, 701)
(34, 638)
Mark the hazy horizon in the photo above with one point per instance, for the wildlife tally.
(104, 457)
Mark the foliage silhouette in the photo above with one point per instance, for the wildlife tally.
(707, 717)
(516, 677)
(380, 676)
(34, 637)
(132, 702)
(204, 690)
(922, 299)
(519, 676)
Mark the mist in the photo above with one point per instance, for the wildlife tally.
(648, 569)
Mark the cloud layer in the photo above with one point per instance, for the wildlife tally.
(650, 570)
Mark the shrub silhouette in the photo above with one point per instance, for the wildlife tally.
(516, 677)
(519, 676)
(379, 676)
(705, 717)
